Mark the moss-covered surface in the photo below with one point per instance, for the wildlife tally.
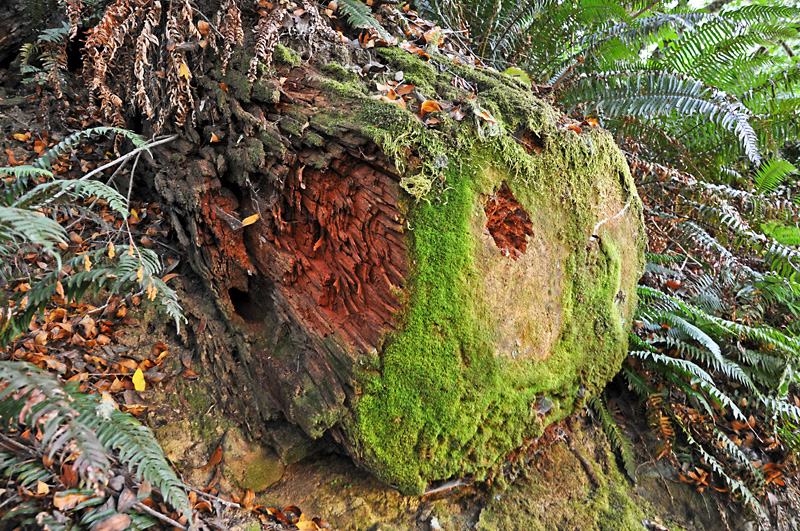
(484, 338)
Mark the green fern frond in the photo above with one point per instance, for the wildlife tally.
(80, 426)
(359, 15)
(619, 441)
(735, 485)
(771, 174)
(64, 432)
(653, 94)
(48, 158)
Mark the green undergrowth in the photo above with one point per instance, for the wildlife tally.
(444, 399)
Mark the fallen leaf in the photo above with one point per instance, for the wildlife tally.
(249, 220)
(203, 27)
(307, 525)
(138, 380)
(42, 488)
(214, 138)
(22, 137)
(215, 458)
(117, 522)
(248, 499)
(65, 502)
(127, 499)
(430, 106)
(573, 127)
(203, 507)
(184, 72)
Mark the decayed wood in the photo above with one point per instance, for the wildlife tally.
(312, 285)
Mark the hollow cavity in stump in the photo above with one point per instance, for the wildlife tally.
(508, 223)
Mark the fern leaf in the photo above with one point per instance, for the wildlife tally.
(359, 15)
(621, 443)
(771, 174)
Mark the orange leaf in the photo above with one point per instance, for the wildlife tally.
(429, 106)
(203, 27)
(402, 90)
(249, 220)
(573, 127)
(215, 458)
(203, 507)
(248, 499)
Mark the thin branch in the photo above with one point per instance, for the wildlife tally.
(144, 508)
(113, 163)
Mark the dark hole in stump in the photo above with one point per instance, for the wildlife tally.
(244, 306)
(532, 142)
(508, 223)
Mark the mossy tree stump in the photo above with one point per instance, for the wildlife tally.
(432, 297)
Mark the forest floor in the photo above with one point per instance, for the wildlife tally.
(569, 479)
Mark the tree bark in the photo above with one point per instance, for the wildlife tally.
(430, 336)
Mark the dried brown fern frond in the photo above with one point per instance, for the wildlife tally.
(317, 23)
(142, 67)
(267, 31)
(179, 98)
(102, 44)
(229, 21)
(74, 10)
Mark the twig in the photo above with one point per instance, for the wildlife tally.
(142, 507)
(216, 498)
(114, 162)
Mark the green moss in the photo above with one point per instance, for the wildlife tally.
(415, 70)
(340, 73)
(559, 494)
(287, 56)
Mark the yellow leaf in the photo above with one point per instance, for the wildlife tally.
(87, 263)
(138, 380)
(249, 220)
(183, 71)
(307, 525)
(111, 251)
(42, 488)
(22, 137)
(140, 274)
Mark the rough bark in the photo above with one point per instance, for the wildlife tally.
(430, 336)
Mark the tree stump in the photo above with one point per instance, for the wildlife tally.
(431, 295)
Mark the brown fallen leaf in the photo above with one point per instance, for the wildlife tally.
(215, 458)
(117, 522)
(65, 502)
(127, 499)
(248, 499)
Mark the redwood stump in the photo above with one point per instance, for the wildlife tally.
(433, 297)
